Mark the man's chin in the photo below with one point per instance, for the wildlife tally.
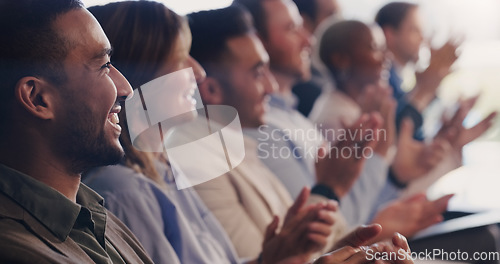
(104, 157)
(109, 153)
(116, 155)
(305, 75)
(415, 58)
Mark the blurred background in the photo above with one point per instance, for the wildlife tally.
(477, 71)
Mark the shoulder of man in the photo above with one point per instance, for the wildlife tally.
(124, 241)
(25, 240)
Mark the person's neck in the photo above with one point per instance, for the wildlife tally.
(399, 63)
(285, 82)
(38, 162)
(351, 89)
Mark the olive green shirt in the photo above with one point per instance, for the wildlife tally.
(84, 221)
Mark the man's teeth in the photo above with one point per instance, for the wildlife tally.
(114, 118)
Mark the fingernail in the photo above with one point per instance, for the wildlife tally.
(363, 248)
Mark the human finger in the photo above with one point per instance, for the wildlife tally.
(319, 228)
(327, 217)
(360, 236)
(400, 241)
(338, 256)
(299, 202)
(271, 229)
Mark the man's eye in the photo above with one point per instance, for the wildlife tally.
(107, 65)
(259, 73)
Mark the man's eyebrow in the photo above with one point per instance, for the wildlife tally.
(102, 53)
(258, 64)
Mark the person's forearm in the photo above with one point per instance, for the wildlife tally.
(420, 99)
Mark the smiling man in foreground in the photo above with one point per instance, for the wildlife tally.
(58, 117)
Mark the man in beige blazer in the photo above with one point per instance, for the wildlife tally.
(246, 199)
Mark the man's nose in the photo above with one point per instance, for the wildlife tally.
(123, 88)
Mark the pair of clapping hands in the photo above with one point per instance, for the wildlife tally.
(305, 232)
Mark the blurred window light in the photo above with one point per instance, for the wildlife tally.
(182, 7)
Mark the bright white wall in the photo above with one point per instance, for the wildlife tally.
(181, 7)
(477, 20)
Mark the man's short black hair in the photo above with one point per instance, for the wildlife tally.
(29, 45)
(338, 38)
(308, 8)
(256, 9)
(211, 29)
(393, 14)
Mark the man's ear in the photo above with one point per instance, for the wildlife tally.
(340, 61)
(390, 35)
(35, 96)
(211, 91)
(308, 23)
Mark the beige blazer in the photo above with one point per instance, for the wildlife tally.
(246, 198)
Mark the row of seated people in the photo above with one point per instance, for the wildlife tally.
(246, 215)
(60, 102)
(234, 199)
(245, 70)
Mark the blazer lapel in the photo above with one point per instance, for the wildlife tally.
(262, 179)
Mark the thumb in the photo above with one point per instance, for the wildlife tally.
(299, 202)
(343, 123)
(271, 229)
(321, 154)
(416, 198)
(406, 131)
(360, 236)
(442, 203)
(400, 241)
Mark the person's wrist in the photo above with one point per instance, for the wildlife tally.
(420, 99)
(382, 148)
(414, 99)
(259, 259)
(394, 179)
(326, 191)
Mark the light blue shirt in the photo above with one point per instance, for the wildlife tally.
(295, 173)
(173, 226)
(279, 156)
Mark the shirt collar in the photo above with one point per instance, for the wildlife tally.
(396, 68)
(89, 199)
(250, 138)
(48, 206)
(286, 102)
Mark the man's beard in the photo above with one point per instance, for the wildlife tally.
(302, 74)
(84, 143)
